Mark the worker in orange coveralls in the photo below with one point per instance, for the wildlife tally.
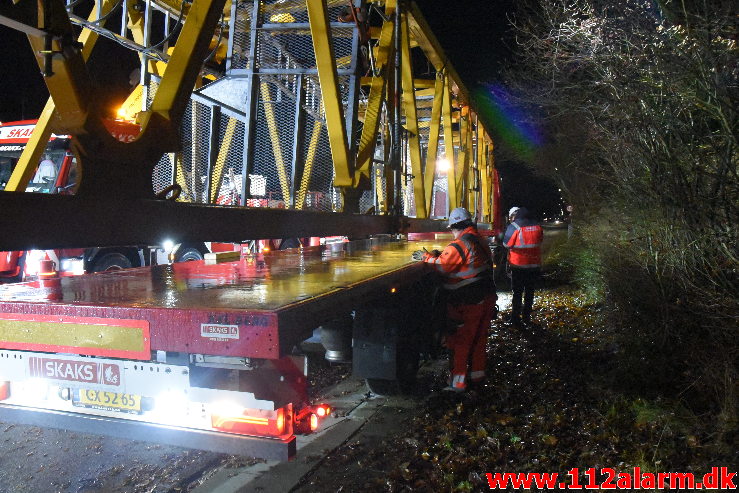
(467, 268)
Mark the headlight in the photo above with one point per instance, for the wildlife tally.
(33, 261)
(74, 266)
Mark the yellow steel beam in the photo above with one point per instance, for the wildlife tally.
(411, 121)
(228, 137)
(31, 155)
(368, 139)
(330, 93)
(462, 178)
(308, 168)
(469, 163)
(422, 33)
(482, 165)
(135, 24)
(492, 181)
(171, 97)
(446, 111)
(274, 137)
(379, 191)
(389, 174)
(418, 83)
(433, 144)
(187, 195)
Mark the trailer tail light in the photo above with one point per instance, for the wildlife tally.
(47, 269)
(308, 419)
(254, 421)
(4, 390)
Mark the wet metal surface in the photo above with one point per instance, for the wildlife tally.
(265, 282)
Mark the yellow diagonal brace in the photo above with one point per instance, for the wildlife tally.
(411, 122)
(446, 111)
(494, 184)
(136, 26)
(187, 195)
(433, 145)
(330, 93)
(217, 174)
(26, 166)
(463, 156)
(274, 137)
(482, 165)
(308, 168)
(368, 139)
(171, 97)
(469, 164)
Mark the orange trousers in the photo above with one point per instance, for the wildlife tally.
(468, 342)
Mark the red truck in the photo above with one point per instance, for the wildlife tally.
(57, 173)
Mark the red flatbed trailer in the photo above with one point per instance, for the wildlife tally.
(176, 333)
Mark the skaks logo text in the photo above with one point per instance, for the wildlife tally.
(219, 332)
(75, 371)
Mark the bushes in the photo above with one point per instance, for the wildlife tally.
(641, 106)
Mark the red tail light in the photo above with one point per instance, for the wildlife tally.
(256, 422)
(4, 390)
(47, 268)
(308, 419)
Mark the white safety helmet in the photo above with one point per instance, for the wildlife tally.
(458, 215)
(513, 211)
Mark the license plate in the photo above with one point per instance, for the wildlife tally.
(100, 399)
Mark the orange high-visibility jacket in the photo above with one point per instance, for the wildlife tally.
(525, 246)
(464, 261)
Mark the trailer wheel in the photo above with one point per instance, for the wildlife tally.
(383, 387)
(189, 254)
(406, 370)
(111, 261)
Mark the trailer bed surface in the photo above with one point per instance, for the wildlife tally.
(257, 306)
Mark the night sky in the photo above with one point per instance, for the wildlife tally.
(469, 30)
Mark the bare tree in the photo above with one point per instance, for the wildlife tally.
(640, 99)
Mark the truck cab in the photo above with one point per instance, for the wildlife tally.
(57, 173)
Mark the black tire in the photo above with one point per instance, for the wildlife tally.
(111, 261)
(383, 387)
(406, 368)
(188, 254)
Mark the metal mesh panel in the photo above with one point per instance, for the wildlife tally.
(151, 91)
(293, 48)
(274, 141)
(162, 176)
(439, 197)
(194, 165)
(241, 34)
(318, 174)
(228, 168)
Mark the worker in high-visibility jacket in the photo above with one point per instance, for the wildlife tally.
(523, 239)
(466, 267)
